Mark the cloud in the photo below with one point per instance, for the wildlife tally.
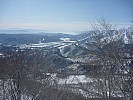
(74, 27)
(57, 27)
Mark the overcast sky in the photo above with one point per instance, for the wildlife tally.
(63, 15)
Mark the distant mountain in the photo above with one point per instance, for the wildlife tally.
(82, 35)
(20, 31)
(30, 31)
(13, 31)
(64, 53)
(17, 39)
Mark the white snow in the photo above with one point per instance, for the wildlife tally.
(74, 79)
(65, 39)
(71, 79)
(1, 54)
(125, 38)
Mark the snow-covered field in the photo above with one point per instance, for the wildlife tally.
(61, 44)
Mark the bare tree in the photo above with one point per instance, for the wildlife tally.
(108, 51)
